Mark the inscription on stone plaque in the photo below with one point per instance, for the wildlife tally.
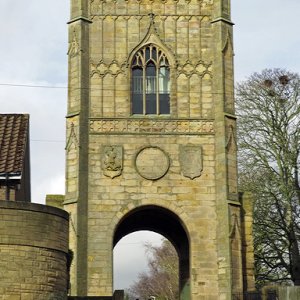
(112, 161)
(152, 163)
(190, 158)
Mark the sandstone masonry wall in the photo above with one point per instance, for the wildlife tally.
(2, 193)
(33, 252)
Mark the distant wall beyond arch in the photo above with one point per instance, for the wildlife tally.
(33, 251)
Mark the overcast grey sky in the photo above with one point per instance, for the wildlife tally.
(266, 35)
(33, 37)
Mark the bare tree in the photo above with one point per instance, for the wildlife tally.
(162, 279)
(268, 109)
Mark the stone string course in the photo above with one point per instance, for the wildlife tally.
(131, 126)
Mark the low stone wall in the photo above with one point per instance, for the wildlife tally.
(289, 293)
(33, 251)
(118, 295)
(90, 298)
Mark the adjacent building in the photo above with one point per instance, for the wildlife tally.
(14, 157)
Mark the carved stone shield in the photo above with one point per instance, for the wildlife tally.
(112, 161)
(190, 157)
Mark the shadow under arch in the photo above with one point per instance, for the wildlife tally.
(167, 223)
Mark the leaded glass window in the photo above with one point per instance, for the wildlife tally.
(150, 82)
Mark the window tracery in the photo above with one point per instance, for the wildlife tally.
(150, 87)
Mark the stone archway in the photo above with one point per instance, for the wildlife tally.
(162, 221)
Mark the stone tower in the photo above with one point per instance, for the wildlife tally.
(151, 141)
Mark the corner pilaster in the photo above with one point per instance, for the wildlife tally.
(248, 247)
(225, 125)
(77, 142)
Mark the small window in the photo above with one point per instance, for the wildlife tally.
(150, 82)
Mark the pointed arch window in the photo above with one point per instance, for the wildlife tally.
(150, 85)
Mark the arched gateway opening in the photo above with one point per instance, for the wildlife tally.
(166, 223)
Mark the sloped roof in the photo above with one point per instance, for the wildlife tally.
(14, 129)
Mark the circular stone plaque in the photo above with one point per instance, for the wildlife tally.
(152, 163)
